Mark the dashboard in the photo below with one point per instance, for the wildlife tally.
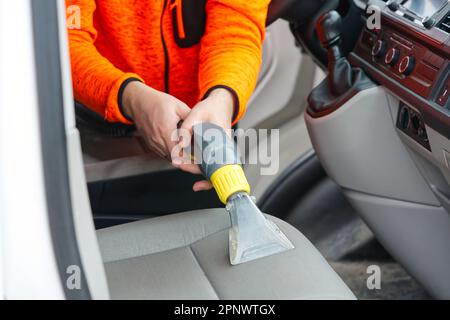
(409, 55)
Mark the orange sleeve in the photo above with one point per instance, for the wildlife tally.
(96, 81)
(230, 54)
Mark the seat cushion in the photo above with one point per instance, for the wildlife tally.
(185, 256)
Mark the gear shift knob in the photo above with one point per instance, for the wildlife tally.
(329, 28)
(343, 80)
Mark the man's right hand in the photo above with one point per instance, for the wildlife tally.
(155, 114)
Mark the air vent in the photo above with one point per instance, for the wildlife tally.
(445, 24)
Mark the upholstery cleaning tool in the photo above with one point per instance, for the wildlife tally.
(251, 235)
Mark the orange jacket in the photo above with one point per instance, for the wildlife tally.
(120, 39)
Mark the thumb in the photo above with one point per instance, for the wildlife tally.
(188, 123)
(183, 111)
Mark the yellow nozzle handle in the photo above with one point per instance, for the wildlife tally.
(228, 180)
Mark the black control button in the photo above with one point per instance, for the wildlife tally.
(407, 65)
(379, 48)
(429, 22)
(392, 57)
(393, 5)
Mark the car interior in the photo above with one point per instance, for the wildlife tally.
(364, 166)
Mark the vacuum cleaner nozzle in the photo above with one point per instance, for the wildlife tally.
(251, 235)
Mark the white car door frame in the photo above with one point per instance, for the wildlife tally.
(38, 239)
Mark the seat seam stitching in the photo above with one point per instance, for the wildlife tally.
(203, 271)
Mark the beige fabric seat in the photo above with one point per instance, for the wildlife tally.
(185, 256)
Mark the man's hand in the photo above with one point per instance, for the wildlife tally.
(155, 114)
(217, 108)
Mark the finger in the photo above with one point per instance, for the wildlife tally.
(189, 122)
(154, 147)
(170, 145)
(185, 138)
(182, 111)
(169, 136)
(171, 141)
(188, 167)
(158, 143)
(160, 151)
(202, 186)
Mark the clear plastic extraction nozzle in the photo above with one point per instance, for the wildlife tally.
(252, 236)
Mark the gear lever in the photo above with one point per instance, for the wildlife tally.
(329, 28)
(343, 81)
